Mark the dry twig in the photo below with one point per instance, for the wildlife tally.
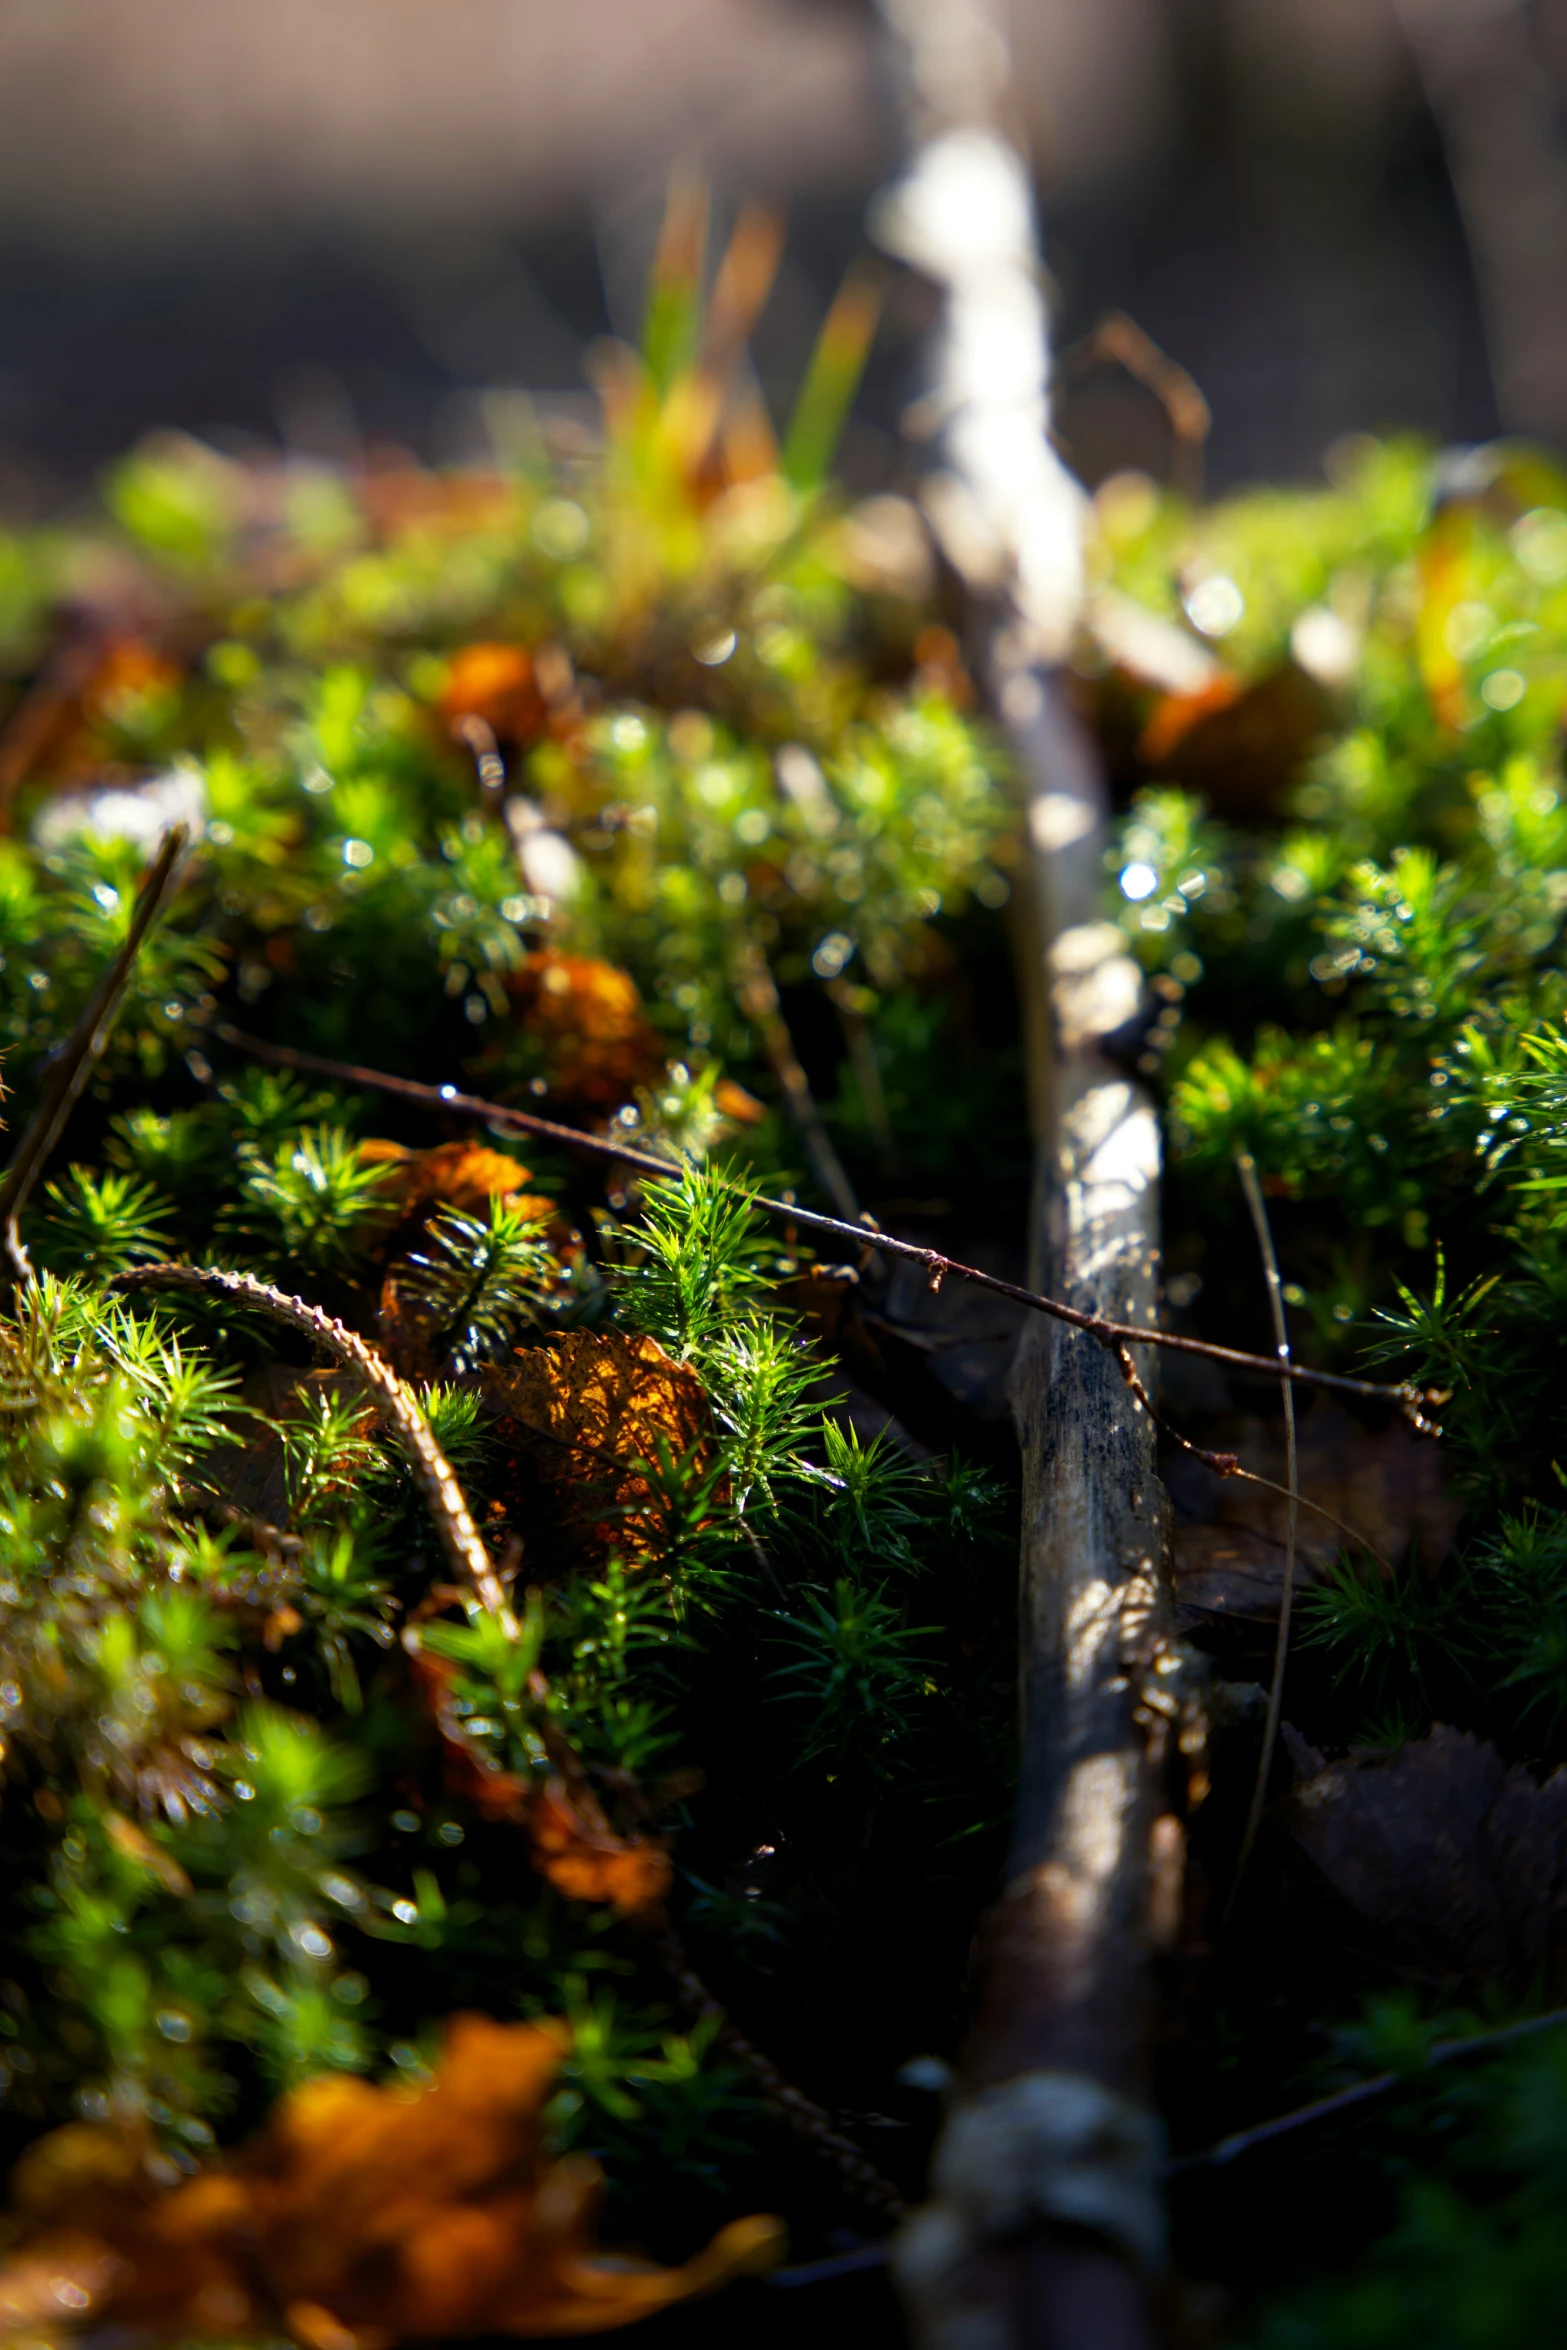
(393, 1399)
(1247, 1168)
(1360, 2093)
(801, 2114)
(80, 1054)
(449, 1100)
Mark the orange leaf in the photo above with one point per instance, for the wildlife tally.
(572, 1843)
(736, 1103)
(586, 1020)
(1174, 715)
(359, 2218)
(595, 1404)
(495, 683)
(575, 1847)
(463, 1175)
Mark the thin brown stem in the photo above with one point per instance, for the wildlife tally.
(1229, 1464)
(801, 2114)
(1360, 2093)
(393, 1399)
(1246, 1167)
(448, 1101)
(756, 991)
(80, 1054)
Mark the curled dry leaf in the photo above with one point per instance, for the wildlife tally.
(571, 1842)
(585, 1021)
(577, 1850)
(494, 682)
(732, 1101)
(462, 1175)
(587, 1410)
(1454, 1861)
(358, 2219)
(1240, 749)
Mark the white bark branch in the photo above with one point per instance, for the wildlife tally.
(1045, 2220)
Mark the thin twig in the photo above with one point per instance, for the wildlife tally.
(757, 994)
(1229, 1464)
(80, 1054)
(828, 2271)
(447, 1100)
(393, 1398)
(1118, 341)
(1360, 2093)
(1246, 1167)
(802, 2114)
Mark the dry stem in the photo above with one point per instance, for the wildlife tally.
(1360, 2093)
(80, 1053)
(450, 1101)
(393, 1398)
(1247, 1168)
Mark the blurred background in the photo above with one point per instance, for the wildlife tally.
(326, 223)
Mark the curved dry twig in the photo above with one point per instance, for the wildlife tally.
(394, 1400)
(449, 1101)
(79, 1055)
(801, 2114)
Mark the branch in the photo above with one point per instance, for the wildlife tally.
(802, 2114)
(80, 1054)
(447, 1100)
(393, 1398)
(1229, 1464)
(1360, 2093)
(1247, 1167)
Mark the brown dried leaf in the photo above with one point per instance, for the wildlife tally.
(495, 683)
(577, 1850)
(1456, 1862)
(360, 2218)
(1240, 750)
(462, 1175)
(571, 1841)
(586, 1023)
(587, 1409)
(734, 1102)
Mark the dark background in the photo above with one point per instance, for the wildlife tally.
(331, 221)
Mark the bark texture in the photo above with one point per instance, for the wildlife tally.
(1044, 2225)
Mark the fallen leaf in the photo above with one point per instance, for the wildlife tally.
(1240, 751)
(585, 1021)
(462, 1175)
(131, 675)
(358, 2219)
(1175, 714)
(570, 1840)
(591, 1406)
(734, 1102)
(134, 1844)
(1454, 1861)
(577, 1850)
(496, 683)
